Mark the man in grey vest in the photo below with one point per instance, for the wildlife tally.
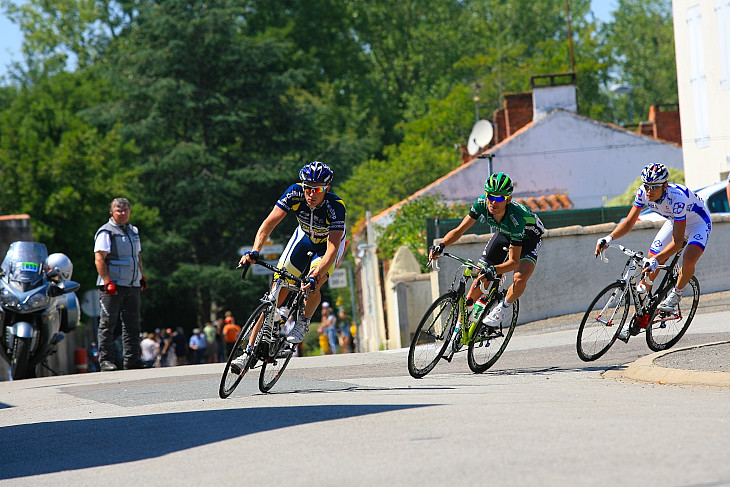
(119, 264)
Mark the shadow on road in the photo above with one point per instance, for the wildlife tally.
(34, 449)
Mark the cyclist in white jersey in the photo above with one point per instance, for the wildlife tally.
(687, 218)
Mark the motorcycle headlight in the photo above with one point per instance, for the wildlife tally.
(37, 300)
(9, 300)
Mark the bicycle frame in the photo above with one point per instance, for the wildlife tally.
(463, 277)
(632, 272)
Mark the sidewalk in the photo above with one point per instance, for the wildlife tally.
(700, 365)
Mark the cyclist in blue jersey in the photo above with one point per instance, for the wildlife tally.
(516, 226)
(321, 229)
(687, 217)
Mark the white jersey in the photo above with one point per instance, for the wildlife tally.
(678, 204)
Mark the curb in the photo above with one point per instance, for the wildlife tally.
(644, 370)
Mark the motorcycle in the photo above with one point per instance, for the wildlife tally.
(38, 304)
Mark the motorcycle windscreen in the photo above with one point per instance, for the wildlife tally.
(23, 264)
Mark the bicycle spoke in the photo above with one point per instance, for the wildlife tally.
(432, 335)
(666, 328)
(489, 342)
(602, 322)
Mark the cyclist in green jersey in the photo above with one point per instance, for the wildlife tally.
(515, 226)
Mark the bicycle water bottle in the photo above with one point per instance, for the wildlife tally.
(282, 313)
(641, 290)
(477, 310)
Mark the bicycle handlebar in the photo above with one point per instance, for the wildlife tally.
(637, 256)
(282, 272)
(433, 263)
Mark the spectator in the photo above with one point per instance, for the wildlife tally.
(345, 335)
(121, 278)
(211, 346)
(219, 324)
(230, 334)
(330, 326)
(197, 345)
(166, 347)
(180, 346)
(150, 348)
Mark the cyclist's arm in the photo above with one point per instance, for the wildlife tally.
(455, 234)
(625, 226)
(333, 243)
(264, 231)
(512, 262)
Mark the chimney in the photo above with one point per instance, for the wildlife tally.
(551, 91)
(665, 119)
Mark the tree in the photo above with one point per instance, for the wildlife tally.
(60, 169)
(641, 37)
(409, 226)
(222, 126)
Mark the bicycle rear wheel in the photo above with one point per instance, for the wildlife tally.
(667, 328)
(230, 379)
(273, 367)
(602, 322)
(433, 334)
(488, 342)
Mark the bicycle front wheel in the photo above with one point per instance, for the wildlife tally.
(273, 366)
(602, 322)
(489, 342)
(432, 335)
(667, 327)
(231, 379)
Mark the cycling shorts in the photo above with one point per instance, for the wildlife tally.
(497, 250)
(696, 233)
(295, 259)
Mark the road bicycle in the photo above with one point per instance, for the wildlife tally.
(441, 332)
(608, 312)
(271, 351)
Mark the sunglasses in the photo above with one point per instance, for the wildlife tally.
(651, 187)
(315, 189)
(496, 197)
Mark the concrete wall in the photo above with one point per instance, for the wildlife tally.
(568, 276)
(565, 281)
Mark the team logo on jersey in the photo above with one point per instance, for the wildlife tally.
(678, 207)
(697, 236)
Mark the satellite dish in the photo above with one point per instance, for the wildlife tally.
(481, 135)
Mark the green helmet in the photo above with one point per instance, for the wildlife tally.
(499, 183)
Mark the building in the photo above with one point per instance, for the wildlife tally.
(549, 149)
(702, 49)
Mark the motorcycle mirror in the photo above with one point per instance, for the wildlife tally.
(65, 287)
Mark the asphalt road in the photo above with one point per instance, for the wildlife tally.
(541, 416)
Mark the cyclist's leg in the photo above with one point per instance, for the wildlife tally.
(698, 234)
(495, 252)
(661, 240)
(528, 261)
(314, 298)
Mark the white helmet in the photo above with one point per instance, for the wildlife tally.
(59, 266)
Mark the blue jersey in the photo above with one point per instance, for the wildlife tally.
(315, 222)
(677, 204)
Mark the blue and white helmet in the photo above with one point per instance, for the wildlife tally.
(316, 172)
(655, 173)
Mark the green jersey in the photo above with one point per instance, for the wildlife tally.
(519, 224)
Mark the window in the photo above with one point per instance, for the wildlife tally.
(722, 9)
(697, 77)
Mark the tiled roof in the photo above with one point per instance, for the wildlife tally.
(543, 202)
